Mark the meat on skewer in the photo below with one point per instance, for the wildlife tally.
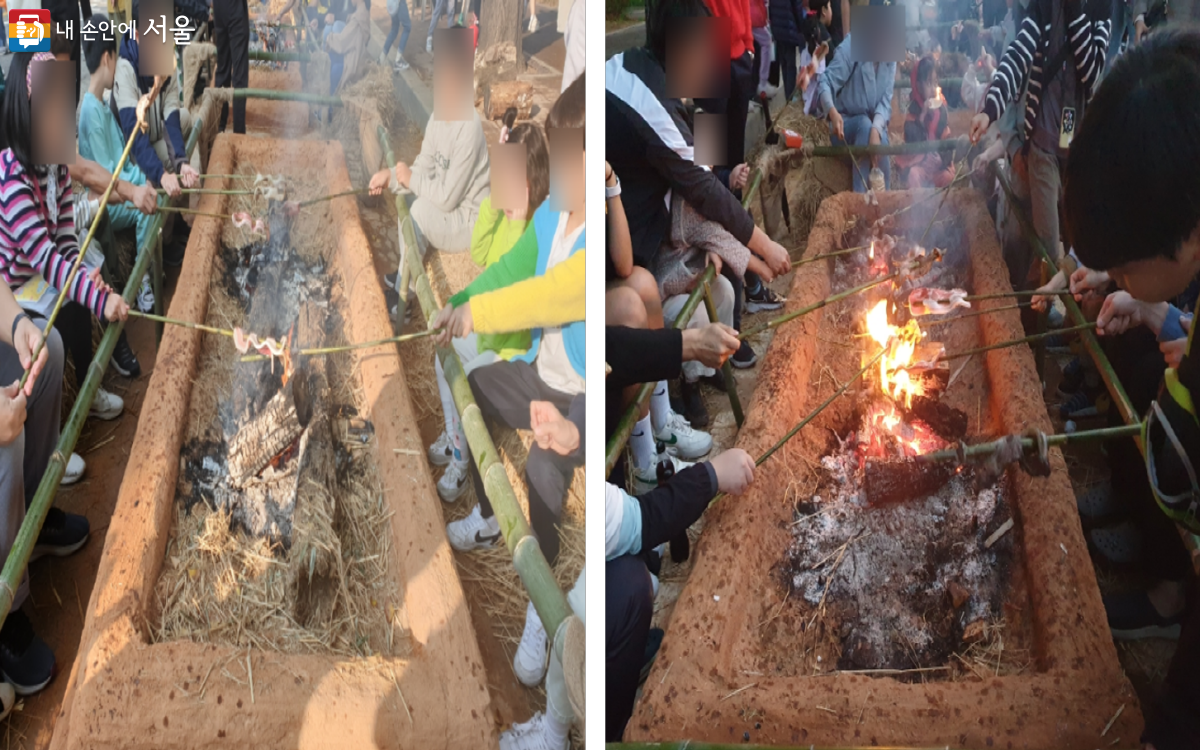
(926, 301)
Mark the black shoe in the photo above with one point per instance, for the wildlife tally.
(763, 299)
(26, 661)
(1131, 616)
(716, 380)
(123, 359)
(390, 280)
(391, 298)
(62, 534)
(694, 409)
(744, 357)
(681, 548)
(173, 253)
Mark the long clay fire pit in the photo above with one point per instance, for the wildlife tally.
(131, 686)
(880, 640)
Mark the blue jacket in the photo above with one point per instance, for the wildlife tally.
(163, 117)
(787, 21)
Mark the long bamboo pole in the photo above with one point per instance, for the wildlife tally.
(408, 235)
(280, 56)
(985, 449)
(735, 402)
(321, 351)
(288, 96)
(776, 322)
(883, 149)
(973, 314)
(192, 212)
(1018, 293)
(323, 198)
(531, 565)
(1023, 340)
(832, 254)
(208, 191)
(181, 323)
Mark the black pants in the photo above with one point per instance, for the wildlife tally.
(231, 22)
(1173, 718)
(74, 326)
(742, 84)
(786, 55)
(628, 607)
(504, 391)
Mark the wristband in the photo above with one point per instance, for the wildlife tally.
(16, 322)
(614, 191)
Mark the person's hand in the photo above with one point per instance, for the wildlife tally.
(12, 412)
(710, 345)
(1085, 281)
(821, 51)
(188, 176)
(116, 308)
(979, 126)
(1120, 313)
(551, 430)
(313, 24)
(25, 340)
(503, 134)
(610, 177)
(956, 30)
(1139, 29)
(715, 261)
(839, 126)
(403, 173)
(734, 469)
(1173, 351)
(776, 257)
(874, 138)
(98, 281)
(170, 183)
(145, 199)
(739, 176)
(378, 182)
(329, 19)
(1041, 302)
(454, 322)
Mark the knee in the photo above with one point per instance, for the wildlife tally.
(635, 586)
(623, 306)
(643, 282)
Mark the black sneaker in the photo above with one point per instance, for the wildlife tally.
(173, 253)
(763, 299)
(1131, 616)
(26, 661)
(390, 280)
(391, 298)
(694, 409)
(716, 381)
(62, 534)
(744, 357)
(123, 359)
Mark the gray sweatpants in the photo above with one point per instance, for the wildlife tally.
(28, 454)
(1039, 195)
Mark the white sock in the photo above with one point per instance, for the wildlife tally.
(641, 443)
(660, 405)
(556, 732)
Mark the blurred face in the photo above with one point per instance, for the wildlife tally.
(929, 88)
(566, 169)
(696, 59)
(53, 112)
(1159, 279)
(510, 184)
(452, 66)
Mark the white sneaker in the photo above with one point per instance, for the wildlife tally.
(429, 44)
(145, 298)
(106, 405)
(442, 450)
(74, 471)
(532, 735)
(530, 661)
(400, 64)
(473, 532)
(646, 480)
(453, 482)
(533, 24)
(682, 439)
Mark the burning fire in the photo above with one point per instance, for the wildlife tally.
(901, 345)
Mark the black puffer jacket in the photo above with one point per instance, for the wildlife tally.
(787, 21)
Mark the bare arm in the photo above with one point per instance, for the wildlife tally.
(620, 244)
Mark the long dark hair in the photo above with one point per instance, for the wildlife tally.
(537, 162)
(811, 28)
(16, 116)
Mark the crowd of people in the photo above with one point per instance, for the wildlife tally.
(1058, 93)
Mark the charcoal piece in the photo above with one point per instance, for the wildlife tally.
(949, 423)
(888, 482)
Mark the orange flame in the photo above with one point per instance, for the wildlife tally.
(901, 344)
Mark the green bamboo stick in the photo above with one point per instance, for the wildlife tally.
(408, 235)
(208, 191)
(1018, 293)
(986, 449)
(884, 149)
(735, 402)
(344, 193)
(181, 323)
(323, 350)
(1015, 342)
(528, 560)
(752, 188)
(288, 96)
(192, 212)
(280, 56)
(973, 314)
(823, 256)
(776, 322)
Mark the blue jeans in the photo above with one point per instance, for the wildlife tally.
(858, 133)
(125, 216)
(399, 21)
(336, 60)
(441, 8)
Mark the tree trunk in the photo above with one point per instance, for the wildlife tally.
(500, 32)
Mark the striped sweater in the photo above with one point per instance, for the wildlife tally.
(45, 243)
(1026, 54)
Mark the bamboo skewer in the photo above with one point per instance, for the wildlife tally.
(209, 191)
(986, 449)
(193, 212)
(1015, 342)
(321, 351)
(776, 322)
(833, 254)
(974, 314)
(1018, 293)
(181, 323)
(344, 193)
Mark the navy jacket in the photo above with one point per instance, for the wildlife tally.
(787, 21)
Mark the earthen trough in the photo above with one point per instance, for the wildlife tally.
(126, 690)
(748, 657)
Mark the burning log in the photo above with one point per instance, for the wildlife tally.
(264, 437)
(887, 482)
(949, 423)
